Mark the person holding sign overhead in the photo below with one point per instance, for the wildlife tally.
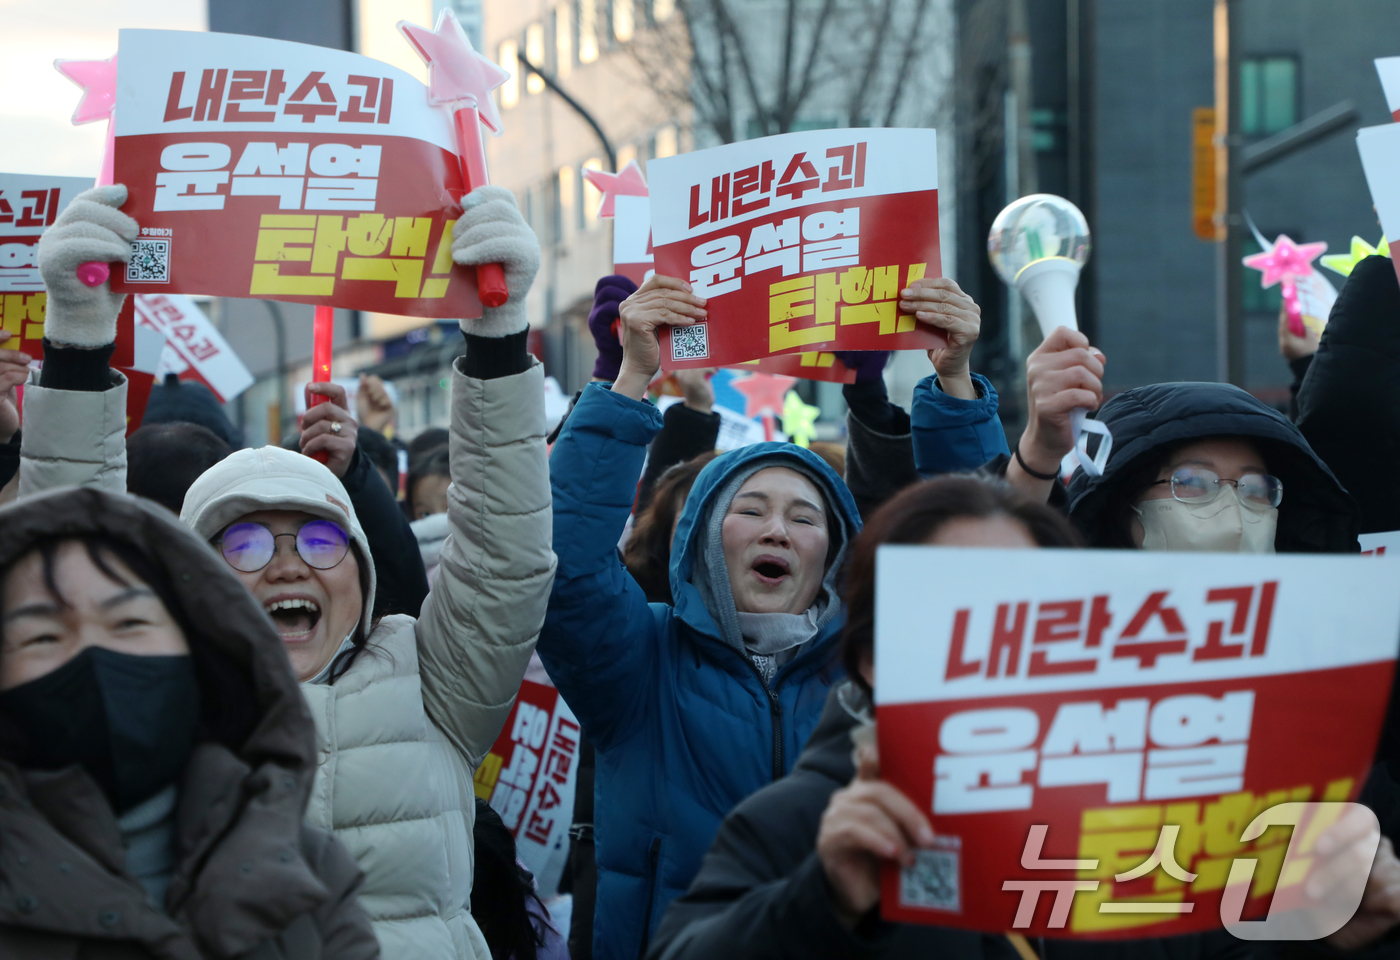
(405, 707)
(796, 869)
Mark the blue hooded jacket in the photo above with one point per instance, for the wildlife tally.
(683, 725)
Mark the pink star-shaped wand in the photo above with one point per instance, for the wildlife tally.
(456, 72)
(763, 396)
(98, 78)
(628, 183)
(1285, 263)
(463, 79)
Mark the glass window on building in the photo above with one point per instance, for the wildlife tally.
(589, 197)
(534, 52)
(508, 56)
(1268, 94)
(587, 19)
(563, 40)
(622, 20)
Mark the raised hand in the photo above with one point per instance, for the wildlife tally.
(91, 229)
(941, 303)
(865, 824)
(14, 370)
(661, 301)
(329, 427)
(1063, 374)
(372, 403)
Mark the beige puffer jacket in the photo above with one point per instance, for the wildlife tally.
(400, 734)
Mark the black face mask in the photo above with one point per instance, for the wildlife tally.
(130, 721)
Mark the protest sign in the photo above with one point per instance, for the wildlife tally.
(800, 242)
(195, 348)
(1380, 160)
(1389, 70)
(632, 250)
(28, 206)
(812, 365)
(1380, 544)
(263, 168)
(1085, 705)
(529, 778)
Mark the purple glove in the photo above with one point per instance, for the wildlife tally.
(868, 364)
(602, 323)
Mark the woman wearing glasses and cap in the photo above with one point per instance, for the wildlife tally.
(405, 708)
(1208, 467)
(1195, 466)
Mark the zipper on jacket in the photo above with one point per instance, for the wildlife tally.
(653, 858)
(775, 713)
(775, 710)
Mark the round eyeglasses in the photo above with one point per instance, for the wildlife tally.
(250, 546)
(1198, 485)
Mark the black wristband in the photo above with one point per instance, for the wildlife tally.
(1035, 473)
(76, 368)
(490, 357)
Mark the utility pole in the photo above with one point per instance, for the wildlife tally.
(1229, 287)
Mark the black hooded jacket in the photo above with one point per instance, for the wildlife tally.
(1317, 514)
(761, 891)
(1349, 403)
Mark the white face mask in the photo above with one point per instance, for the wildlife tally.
(1221, 526)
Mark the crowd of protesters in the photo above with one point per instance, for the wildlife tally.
(244, 692)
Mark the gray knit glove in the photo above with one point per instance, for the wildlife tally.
(491, 230)
(92, 228)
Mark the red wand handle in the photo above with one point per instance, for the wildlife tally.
(490, 277)
(322, 342)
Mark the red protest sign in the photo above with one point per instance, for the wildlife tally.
(530, 773)
(812, 365)
(799, 242)
(1077, 716)
(262, 168)
(28, 206)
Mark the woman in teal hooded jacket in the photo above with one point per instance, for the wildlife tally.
(690, 707)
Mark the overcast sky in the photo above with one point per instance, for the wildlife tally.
(36, 132)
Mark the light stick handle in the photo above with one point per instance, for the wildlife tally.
(490, 277)
(322, 343)
(94, 273)
(1292, 308)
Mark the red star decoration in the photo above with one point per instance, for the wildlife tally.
(628, 183)
(1287, 260)
(763, 393)
(98, 78)
(456, 72)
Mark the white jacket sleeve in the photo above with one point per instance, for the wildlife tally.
(73, 438)
(483, 615)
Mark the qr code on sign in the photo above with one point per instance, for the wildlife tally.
(932, 882)
(690, 343)
(150, 262)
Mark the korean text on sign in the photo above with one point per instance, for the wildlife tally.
(1134, 709)
(28, 206)
(800, 242)
(261, 168)
(530, 773)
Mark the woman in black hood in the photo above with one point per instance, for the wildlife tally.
(1207, 466)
